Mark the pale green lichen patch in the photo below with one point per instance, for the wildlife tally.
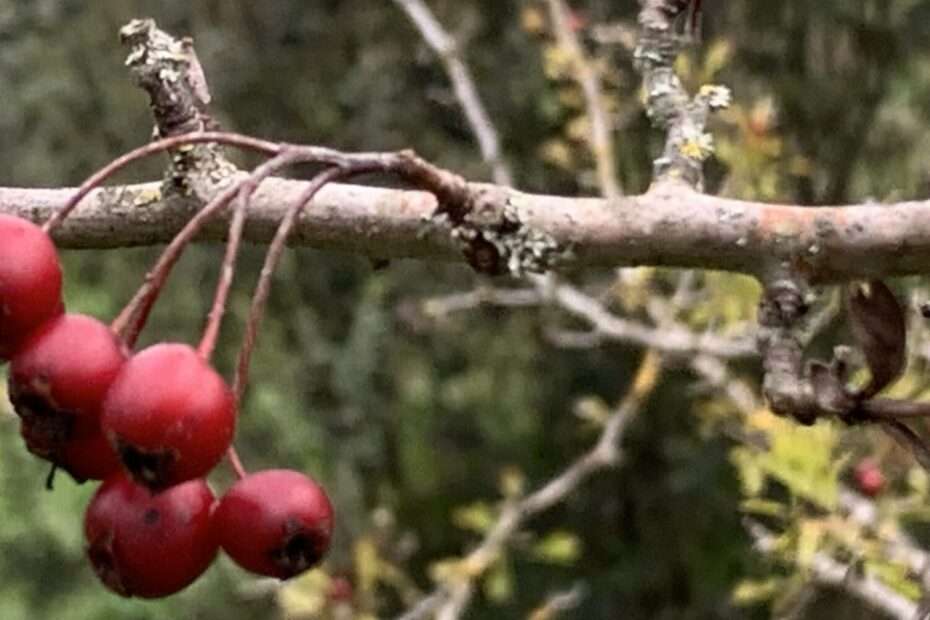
(146, 196)
(496, 240)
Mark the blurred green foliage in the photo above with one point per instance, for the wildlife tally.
(411, 424)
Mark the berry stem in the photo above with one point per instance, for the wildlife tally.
(227, 271)
(236, 462)
(133, 317)
(275, 250)
(152, 148)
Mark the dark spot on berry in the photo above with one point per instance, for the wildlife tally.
(151, 516)
(101, 556)
(49, 426)
(150, 469)
(301, 550)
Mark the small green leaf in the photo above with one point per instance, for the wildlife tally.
(558, 548)
(896, 577)
(477, 517)
(802, 458)
(751, 592)
(810, 533)
(751, 475)
(498, 584)
(764, 507)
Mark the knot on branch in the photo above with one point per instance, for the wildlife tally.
(495, 239)
(170, 72)
(783, 304)
(817, 389)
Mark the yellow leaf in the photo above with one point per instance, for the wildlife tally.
(717, 57)
(304, 596)
(592, 409)
(764, 507)
(917, 480)
(896, 577)
(751, 475)
(802, 458)
(367, 562)
(532, 19)
(751, 592)
(445, 570)
(512, 483)
(557, 153)
(810, 533)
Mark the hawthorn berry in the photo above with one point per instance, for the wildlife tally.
(339, 590)
(869, 477)
(84, 458)
(58, 380)
(149, 545)
(89, 458)
(30, 281)
(169, 416)
(63, 371)
(276, 522)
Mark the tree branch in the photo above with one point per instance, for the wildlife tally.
(826, 571)
(449, 52)
(600, 134)
(671, 226)
(453, 594)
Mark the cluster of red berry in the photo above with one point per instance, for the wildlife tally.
(151, 425)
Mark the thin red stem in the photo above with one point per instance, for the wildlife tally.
(236, 462)
(227, 271)
(263, 288)
(132, 319)
(890, 409)
(220, 137)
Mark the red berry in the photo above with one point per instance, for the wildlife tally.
(340, 590)
(86, 458)
(276, 523)
(869, 477)
(169, 416)
(89, 458)
(148, 545)
(30, 281)
(58, 380)
(64, 370)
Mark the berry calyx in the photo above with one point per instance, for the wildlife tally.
(169, 416)
(149, 545)
(276, 523)
(58, 380)
(30, 281)
(85, 458)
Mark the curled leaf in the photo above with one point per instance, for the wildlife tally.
(906, 436)
(877, 323)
